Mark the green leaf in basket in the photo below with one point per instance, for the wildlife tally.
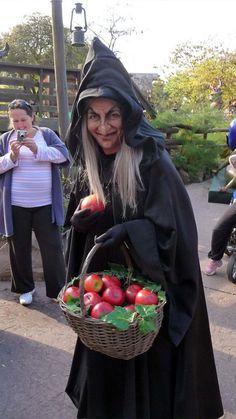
(147, 318)
(144, 282)
(120, 318)
(151, 286)
(146, 310)
(137, 277)
(73, 306)
(162, 295)
(118, 270)
(147, 325)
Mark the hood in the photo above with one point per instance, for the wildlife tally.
(103, 75)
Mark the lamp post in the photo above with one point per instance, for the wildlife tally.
(60, 67)
(80, 26)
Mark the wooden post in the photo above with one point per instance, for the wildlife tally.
(60, 67)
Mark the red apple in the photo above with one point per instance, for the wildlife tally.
(114, 295)
(110, 280)
(146, 297)
(101, 309)
(71, 294)
(93, 282)
(131, 292)
(92, 202)
(91, 299)
(130, 307)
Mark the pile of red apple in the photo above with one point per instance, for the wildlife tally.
(103, 292)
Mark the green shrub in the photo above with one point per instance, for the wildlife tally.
(198, 156)
(204, 118)
(198, 160)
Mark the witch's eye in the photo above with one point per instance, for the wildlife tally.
(93, 116)
(115, 115)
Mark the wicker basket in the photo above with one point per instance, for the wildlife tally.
(104, 337)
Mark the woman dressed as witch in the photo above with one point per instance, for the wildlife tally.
(122, 159)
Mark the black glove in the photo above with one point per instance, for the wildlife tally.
(85, 220)
(113, 237)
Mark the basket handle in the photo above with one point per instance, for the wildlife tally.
(86, 265)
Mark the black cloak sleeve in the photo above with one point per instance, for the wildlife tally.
(167, 238)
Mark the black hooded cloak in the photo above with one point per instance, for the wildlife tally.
(177, 377)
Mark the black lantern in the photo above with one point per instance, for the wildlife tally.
(77, 37)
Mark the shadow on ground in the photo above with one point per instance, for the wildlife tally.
(33, 379)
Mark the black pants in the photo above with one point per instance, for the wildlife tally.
(221, 233)
(50, 244)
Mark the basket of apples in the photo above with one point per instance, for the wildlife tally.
(117, 312)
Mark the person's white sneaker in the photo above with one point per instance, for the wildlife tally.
(27, 298)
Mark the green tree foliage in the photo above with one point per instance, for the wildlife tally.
(187, 55)
(31, 43)
(200, 76)
(159, 97)
(199, 85)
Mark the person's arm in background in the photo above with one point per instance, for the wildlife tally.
(55, 150)
(232, 182)
(51, 154)
(10, 159)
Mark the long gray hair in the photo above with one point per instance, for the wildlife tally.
(126, 178)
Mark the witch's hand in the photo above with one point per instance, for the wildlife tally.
(115, 236)
(84, 220)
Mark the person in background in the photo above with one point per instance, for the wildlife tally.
(223, 228)
(123, 160)
(32, 200)
(231, 137)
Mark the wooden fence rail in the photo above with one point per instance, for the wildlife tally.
(170, 130)
(36, 85)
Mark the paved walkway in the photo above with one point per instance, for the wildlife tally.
(220, 296)
(36, 345)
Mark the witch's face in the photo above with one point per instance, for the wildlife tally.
(104, 122)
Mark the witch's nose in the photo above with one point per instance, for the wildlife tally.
(103, 125)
